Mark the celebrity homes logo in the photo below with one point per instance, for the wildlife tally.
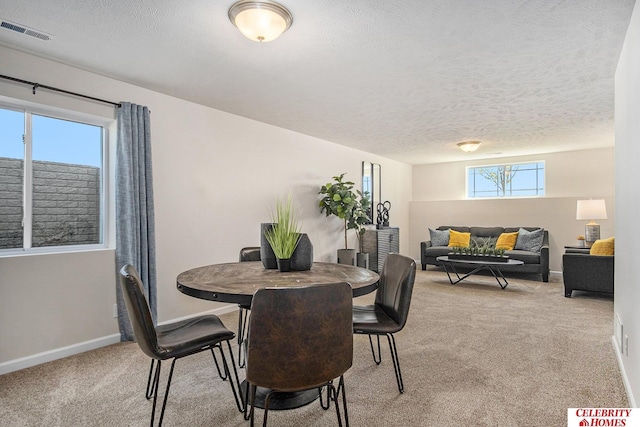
(603, 417)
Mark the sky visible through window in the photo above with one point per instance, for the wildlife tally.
(54, 140)
(509, 180)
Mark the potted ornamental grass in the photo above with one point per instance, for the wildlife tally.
(284, 234)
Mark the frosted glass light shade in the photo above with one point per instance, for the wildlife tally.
(469, 146)
(260, 21)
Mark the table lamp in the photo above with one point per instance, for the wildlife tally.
(591, 210)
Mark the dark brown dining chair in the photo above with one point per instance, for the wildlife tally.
(389, 312)
(249, 253)
(175, 340)
(300, 339)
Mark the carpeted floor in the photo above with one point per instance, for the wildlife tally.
(471, 354)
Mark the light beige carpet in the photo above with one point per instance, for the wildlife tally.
(471, 355)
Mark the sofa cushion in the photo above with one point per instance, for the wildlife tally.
(459, 228)
(459, 239)
(524, 256)
(507, 241)
(436, 251)
(603, 247)
(486, 231)
(439, 237)
(529, 240)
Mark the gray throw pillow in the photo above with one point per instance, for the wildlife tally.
(529, 240)
(439, 237)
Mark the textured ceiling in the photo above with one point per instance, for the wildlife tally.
(404, 79)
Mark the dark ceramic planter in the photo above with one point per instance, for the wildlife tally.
(302, 258)
(284, 265)
(267, 256)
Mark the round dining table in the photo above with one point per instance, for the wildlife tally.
(236, 282)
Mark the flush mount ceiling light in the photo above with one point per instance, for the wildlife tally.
(260, 21)
(469, 146)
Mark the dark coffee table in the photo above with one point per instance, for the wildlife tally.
(449, 266)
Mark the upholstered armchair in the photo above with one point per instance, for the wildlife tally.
(584, 272)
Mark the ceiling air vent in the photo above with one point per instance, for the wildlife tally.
(24, 30)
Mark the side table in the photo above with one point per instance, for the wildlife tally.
(573, 249)
(379, 243)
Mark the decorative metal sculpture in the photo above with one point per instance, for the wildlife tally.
(383, 214)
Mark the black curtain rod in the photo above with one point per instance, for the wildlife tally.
(35, 86)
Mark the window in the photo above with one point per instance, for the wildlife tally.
(508, 180)
(52, 180)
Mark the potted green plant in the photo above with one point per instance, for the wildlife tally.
(350, 206)
(284, 235)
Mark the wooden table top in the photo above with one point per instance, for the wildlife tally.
(237, 282)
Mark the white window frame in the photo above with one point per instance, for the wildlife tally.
(106, 186)
(466, 180)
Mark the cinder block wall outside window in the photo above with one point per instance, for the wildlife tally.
(66, 204)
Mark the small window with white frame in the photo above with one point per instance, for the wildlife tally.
(506, 180)
(53, 179)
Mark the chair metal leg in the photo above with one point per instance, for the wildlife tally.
(237, 395)
(344, 399)
(151, 385)
(222, 375)
(251, 398)
(396, 361)
(267, 400)
(243, 316)
(336, 395)
(156, 380)
(166, 393)
(322, 404)
(247, 400)
(379, 358)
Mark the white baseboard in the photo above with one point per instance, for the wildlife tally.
(70, 350)
(58, 353)
(625, 379)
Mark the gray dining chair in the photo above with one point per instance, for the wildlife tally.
(390, 310)
(175, 340)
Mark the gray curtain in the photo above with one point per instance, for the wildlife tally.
(135, 225)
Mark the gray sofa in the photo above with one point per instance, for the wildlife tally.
(534, 262)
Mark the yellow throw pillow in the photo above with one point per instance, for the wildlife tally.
(507, 241)
(603, 247)
(458, 239)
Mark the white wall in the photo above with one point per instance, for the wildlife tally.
(627, 283)
(439, 199)
(216, 177)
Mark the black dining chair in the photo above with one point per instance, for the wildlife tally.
(300, 339)
(175, 340)
(249, 253)
(390, 310)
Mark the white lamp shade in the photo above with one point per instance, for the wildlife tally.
(260, 21)
(591, 209)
